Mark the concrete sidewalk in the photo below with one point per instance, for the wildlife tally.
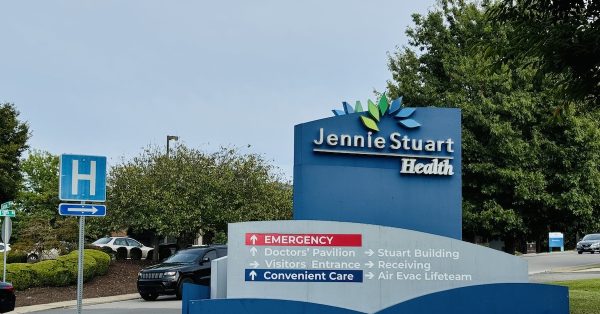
(58, 305)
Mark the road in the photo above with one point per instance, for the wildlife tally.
(164, 305)
(560, 265)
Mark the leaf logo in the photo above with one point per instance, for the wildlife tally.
(376, 112)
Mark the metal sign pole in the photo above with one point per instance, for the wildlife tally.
(80, 264)
(5, 251)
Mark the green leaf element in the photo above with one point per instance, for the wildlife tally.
(369, 123)
(373, 111)
(358, 107)
(383, 105)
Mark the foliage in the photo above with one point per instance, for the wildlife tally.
(563, 36)
(14, 256)
(102, 260)
(191, 192)
(57, 272)
(529, 158)
(38, 226)
(13, 142)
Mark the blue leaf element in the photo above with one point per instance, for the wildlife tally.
(396, 104)
(410, 123)
(348, 108)
(338, 112)
(405, 112)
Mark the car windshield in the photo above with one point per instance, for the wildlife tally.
(183, 257)
(102, 241)
(591, 237)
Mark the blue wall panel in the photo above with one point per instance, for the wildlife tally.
(511, 298)
(262, 306)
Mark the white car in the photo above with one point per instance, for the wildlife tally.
(117, 242)
(33, 256)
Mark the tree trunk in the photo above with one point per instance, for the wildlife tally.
(155, 242)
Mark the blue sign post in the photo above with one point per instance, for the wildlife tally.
(82, 178)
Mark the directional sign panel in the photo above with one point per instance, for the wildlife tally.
(355, 266)
(81, 210)
(82, 178)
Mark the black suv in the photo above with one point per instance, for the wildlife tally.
(191, 265)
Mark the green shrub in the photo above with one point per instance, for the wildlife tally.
(59, 272)
(14, 256)
(53, 273)
(21, 276)
(69, 261)
(102, 260)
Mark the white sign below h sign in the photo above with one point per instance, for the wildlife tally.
(82, 178)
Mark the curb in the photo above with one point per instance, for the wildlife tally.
(63, 304)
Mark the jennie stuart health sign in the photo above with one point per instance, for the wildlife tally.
(401, 172)
(377, 228)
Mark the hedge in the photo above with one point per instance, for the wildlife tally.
(14, 256)
(58, 272)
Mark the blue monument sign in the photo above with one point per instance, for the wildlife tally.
(82, 178)
(399, 176)
(556, 240)
(377, 228)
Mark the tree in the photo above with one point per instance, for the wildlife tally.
(529, 157)
(13, 142)
(38, 226)
(563, 36)
(191, 192)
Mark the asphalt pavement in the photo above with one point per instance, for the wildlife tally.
(558, 266)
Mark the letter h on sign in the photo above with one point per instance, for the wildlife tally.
(82, 178)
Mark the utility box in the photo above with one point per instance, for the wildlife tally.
(531, 247)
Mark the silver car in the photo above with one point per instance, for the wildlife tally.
(117, 242)
(589, 243)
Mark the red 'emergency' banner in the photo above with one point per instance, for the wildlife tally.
(305, 239)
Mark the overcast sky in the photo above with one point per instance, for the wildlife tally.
(112, 77)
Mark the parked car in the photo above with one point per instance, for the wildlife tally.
(190, 265)
(7, 297)
(115, 243)
(589, 243)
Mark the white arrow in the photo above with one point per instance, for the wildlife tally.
(369, 252)
(369, 275)
(253, 238)
(369, 264)
(92, 210)
(252, 275)
(254, 264)
(253, 250)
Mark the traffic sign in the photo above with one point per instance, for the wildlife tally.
(81, 210)
(6, 230)
(82, 178)
(7, 213)
(7, 205)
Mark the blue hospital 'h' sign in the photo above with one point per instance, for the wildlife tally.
(82, 178)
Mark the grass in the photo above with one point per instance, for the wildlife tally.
(584, 295)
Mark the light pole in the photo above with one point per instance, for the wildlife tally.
(169, 138)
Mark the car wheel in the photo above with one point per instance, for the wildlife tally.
(149, 296)
(32, 258)
(579, 252)
(180, 287)
(592, 252)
